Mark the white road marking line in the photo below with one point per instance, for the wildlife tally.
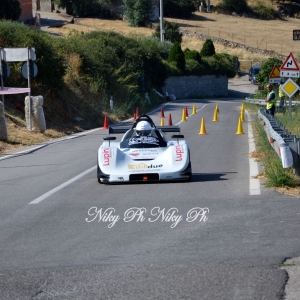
(60, 187)
(254, 183)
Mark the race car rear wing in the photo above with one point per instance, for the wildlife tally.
(123, 129)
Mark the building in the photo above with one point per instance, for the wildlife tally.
(47, 6)
(26, 7)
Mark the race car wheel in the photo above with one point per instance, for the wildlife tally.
(98, 172)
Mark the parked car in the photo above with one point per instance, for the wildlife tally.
(254, 70)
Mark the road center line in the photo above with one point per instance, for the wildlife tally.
(254, 183)
(60, 187)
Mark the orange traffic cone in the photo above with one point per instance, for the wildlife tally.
(162, 122)
(183, 119)
(162, 114)
(105, 126)
(202, 127)
(137, 112)
(186, 112)
(240, 127)
(215, 119)
(170, 120)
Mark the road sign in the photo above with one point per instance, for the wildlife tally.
(290, 87)
(275, 72)
(290, 67)
(17, 54)
(275, 80)
(290, 64)
(296, 35)
(32, 68)
(275, 75)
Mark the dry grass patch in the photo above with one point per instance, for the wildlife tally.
(19, 136)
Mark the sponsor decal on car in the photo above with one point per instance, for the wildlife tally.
(179, 151)
(143, 166)
(106, 156)
(143, 140)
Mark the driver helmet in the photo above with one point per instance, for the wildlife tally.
(143, 128)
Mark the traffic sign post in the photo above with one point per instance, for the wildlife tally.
(296, 35)
(275, 75)
(290, 67)
(290, 88)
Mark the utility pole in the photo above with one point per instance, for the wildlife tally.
(162, 30)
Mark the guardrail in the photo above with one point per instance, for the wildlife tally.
(279, 138)
(263, 102)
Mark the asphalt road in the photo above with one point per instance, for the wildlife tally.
(53, 246)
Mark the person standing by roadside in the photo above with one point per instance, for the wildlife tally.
(271, 100)
(281, 96)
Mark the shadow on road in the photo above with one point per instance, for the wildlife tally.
(209, 176)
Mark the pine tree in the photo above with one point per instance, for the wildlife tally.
(176, 54)
(208, 48)
(138, 11)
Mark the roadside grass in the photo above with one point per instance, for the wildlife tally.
(274, 173)
(292, 124)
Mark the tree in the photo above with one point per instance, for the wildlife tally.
(84, 8)
(172, 32)
(208, 48)
(238, 6)
(10, 10)
(262, 77)
(138, 11)
(176, 54)
(179, 8)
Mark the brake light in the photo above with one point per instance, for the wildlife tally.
(145, 178)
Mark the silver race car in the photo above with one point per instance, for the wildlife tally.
(143, 154)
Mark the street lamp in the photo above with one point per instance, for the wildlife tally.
(162, 30)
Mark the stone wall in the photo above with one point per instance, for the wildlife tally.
(196, 86)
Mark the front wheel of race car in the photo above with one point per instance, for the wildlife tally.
(98, 171)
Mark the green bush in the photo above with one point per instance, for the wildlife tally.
(50, 64)
(192, 67)
(179, 8)
(262, 77)
(192, 54)
(238, 6)
(172, 32)
(208, 48)
(177, 55)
